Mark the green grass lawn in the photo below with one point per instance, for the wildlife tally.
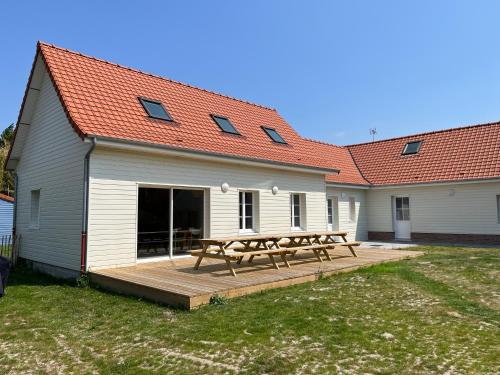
(439, 313)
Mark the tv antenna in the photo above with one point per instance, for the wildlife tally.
(373, 131)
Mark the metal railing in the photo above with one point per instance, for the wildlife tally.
(9, 248)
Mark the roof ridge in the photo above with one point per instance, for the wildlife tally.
(153, 75)
(323, 142)
(427, 133)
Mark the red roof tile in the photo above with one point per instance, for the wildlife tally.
(6, 198)
(101, 99)
(467, 153)
(340, 157)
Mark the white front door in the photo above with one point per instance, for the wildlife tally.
(332, 209)
(401, 212)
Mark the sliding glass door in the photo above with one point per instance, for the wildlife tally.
(153, 222)
(188, 220)
(170, 221)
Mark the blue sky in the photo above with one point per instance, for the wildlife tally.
(333, 69)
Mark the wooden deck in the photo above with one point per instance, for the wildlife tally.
(174, 282)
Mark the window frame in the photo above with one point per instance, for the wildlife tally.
(266, 130)
(498, 208)
(242, 214)
(215, 117)
(404, 210)
(404, 152)
(35, 224)
(143, 99)
(293, 227)
(352, 209)
(329, 211)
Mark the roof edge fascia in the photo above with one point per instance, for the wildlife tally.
(131, 145)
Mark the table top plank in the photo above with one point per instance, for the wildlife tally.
(272, 237)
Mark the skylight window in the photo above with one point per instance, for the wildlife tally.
(155, 109)
(274, 135)
(225, 124)
(412, 148)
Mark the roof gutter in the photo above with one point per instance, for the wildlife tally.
(85, 216)
(138, 146)
(347, 185)
(437, 183)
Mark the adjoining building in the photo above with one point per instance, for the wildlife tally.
(6, 215)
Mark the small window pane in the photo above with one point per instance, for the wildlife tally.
(225, 124)
(155, 109)
(248, 198)
(412, 148)
(296, 199)
(296, 221)
(35, 208)
(330, 211)
(406, 203)
(498, 208)
(248, 222)
(399, 214)
(295, 207)
(352, 208)
(274, 135)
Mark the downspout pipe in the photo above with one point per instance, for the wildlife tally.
(85, 216)
(14, 221)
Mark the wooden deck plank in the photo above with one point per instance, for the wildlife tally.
(175, 282)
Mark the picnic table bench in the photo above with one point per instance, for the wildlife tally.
(222, 249)
(236, 248)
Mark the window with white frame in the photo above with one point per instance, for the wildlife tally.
(296, 211)
(247, 211)
(498, 209)
(352, 209)
(329, 209)
(35, 208)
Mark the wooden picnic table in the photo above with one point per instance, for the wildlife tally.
(269, 244)
(264, 245)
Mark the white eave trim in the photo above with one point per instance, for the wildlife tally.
(438, 183)
(347, 186)
(123, 144)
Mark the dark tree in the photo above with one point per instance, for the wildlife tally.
(6, 178)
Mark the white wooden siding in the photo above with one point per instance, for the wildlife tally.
(460, 209)
(358, 229)
(52, 161)
(6, 217)
(114, 179)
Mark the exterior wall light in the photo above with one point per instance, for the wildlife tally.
(224, 187)
(275, 190)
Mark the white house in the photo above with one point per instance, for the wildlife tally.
(115, 166)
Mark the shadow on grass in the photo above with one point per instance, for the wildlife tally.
(23, 275)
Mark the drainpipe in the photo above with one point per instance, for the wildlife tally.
(85, 217)
(14, 218)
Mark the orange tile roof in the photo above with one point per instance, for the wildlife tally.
(458, 154)
(341, 157)
(6, 198)
(101, 99)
